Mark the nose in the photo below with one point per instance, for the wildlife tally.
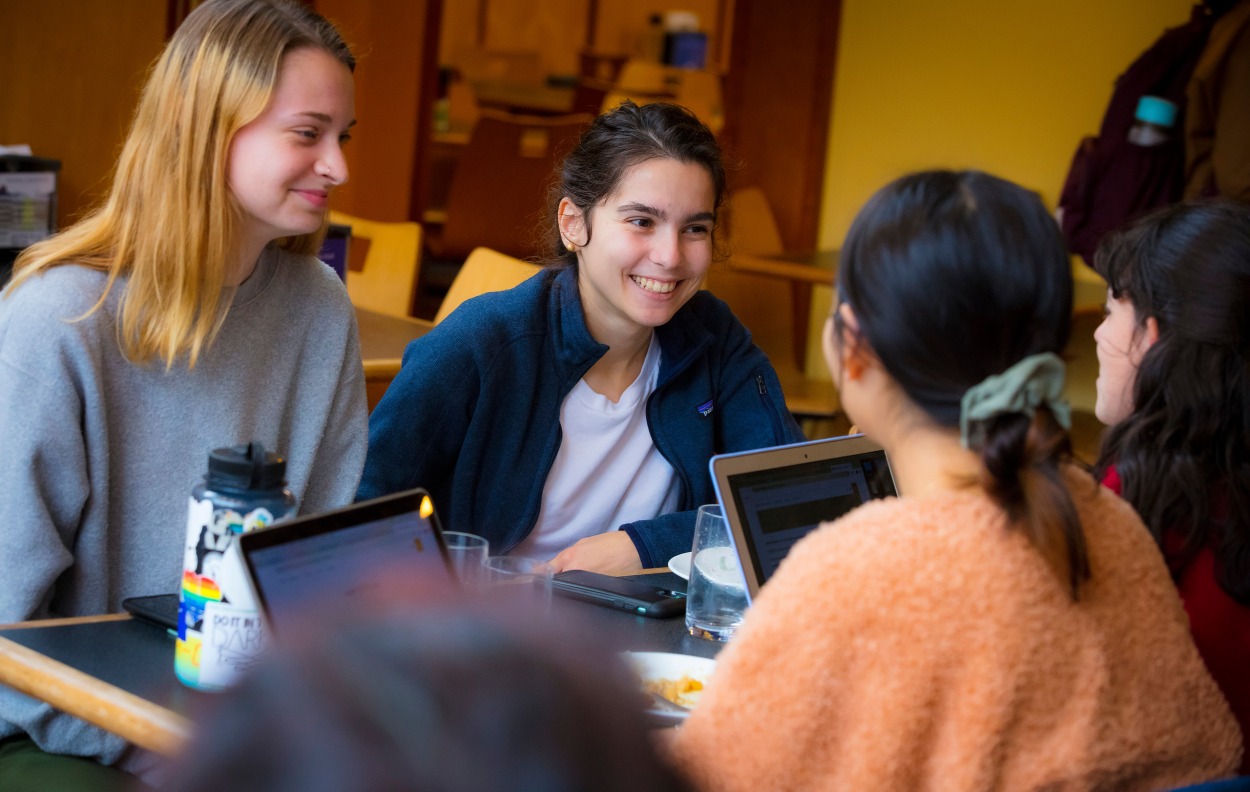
(666, 249)
(332, 165)
(1100, 332)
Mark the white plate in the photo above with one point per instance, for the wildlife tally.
(679, 565)
(720, 565)
(666, 665)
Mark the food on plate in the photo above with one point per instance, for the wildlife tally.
(683, 691)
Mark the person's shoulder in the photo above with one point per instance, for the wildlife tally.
(65, 291)
(894, 537)
(1110, 524)
(53, 317)
(314, 278)
(872, 525)
(863, 534)
(503, 314)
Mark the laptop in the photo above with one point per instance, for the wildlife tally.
(773, 497)
(338, 555)
(326, 557)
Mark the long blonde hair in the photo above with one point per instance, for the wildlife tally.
(169, 221)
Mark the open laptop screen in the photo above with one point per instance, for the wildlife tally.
(773, 498)
(340, 555)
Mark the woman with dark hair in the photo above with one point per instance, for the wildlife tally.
(984, 629)
(1174, 385)
(591, 397)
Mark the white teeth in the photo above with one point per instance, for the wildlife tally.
(659, 287)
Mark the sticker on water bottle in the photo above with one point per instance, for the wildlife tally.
(232, 642)
(220, 631)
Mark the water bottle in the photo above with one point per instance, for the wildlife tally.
(219, 627)
(1154, 120)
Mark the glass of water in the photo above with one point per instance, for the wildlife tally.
(466, 555)
(524, 582)
(716, 597)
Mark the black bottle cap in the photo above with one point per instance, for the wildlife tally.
(245, 467)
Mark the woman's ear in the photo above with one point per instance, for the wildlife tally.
(1151, 332)
(854, 350)
(572, 224)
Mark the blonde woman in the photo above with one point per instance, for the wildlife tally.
(186, 313)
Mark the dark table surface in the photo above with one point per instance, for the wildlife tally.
(138, 657)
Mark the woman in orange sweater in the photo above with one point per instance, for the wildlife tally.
(1004, 624)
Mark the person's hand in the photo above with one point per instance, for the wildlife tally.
(611, 553)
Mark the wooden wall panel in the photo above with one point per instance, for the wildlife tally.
(71, 75)
(387, 37)
(777, 100)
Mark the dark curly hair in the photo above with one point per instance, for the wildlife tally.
(1183, 454)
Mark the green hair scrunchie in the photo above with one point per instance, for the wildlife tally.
(1020, 390)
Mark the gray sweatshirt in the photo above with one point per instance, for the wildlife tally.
(100, 455)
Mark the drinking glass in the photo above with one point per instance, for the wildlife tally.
(716, 597)
(524, 581)
(466, 556)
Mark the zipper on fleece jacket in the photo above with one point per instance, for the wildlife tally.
(769, 408)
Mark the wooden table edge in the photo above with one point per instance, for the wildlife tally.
(131, 717)
(65, 622)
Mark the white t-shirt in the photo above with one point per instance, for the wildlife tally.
(607, 472)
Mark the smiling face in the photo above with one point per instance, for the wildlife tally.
(284, 163)
(650, 244)
(1121, 341)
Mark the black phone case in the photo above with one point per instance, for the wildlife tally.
(665, 608)
(159, 609)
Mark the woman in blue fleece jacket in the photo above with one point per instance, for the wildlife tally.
(591, 397)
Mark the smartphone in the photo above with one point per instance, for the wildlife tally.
(627, 595)
(158, 609)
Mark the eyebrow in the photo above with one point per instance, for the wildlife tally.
(661, 214)
(323, 118)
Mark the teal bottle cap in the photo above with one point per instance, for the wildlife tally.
(1154, 110)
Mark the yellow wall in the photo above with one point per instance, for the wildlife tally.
(1008, 88)
(1004, 87)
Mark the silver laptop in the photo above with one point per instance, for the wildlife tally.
(773, 497)
(338, 555)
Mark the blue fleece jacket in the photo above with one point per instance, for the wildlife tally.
(474, 414)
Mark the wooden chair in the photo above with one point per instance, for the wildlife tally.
(642, 82)
(387, 280)
(484, 271)
(499, 185)
(762, 301)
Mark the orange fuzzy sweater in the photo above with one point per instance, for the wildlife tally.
(919, 644)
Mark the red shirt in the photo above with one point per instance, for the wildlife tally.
(1220, 626)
